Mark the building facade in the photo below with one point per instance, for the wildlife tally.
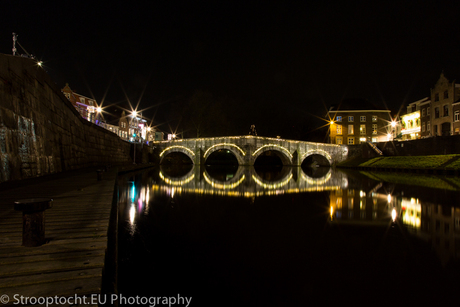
(87, 107)
(445, 101)
(352, 127)
(415, 123)
(135, 129)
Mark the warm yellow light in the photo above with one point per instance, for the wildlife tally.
(40, 63)
(393, 214)
(99, 109)
(134, 113)
(132, 214)
(176, 146)
(331, 122)
(393, 124)
(222, 145)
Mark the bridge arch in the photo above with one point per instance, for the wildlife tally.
(237, 151)
(226, 185)
(273, 185)
(177, 148)
(178, 181)
(282, 152)
(320, 152)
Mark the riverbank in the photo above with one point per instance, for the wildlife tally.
(431, 164)
(80, 231)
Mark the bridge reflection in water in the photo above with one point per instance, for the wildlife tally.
(364, 229)
(348, 205)
(247, 182)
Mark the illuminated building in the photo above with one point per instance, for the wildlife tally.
(135, 129)
(415, 123)
(357, 121)
(85, 106)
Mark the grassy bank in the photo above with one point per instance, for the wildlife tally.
(435, 162)
(421, 180)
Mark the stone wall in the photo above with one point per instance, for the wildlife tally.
(41, 132)
(440, 145)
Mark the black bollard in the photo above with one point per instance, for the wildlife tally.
(33, 220)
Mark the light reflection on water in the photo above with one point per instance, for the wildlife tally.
(176, 206)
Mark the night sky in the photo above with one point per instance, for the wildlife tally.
(275, 64)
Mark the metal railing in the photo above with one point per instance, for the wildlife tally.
(375, 148)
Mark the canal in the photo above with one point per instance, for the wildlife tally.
(240, 236)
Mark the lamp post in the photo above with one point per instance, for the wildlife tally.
(134, 114)
(98, 115)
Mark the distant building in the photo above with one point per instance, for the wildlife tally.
(445, 107)
(415, 123)
(357, 121)
(87, 107)
(135, 129)
(123, 126)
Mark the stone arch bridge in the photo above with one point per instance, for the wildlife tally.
(248, 148)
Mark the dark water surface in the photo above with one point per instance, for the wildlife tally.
(287, 237)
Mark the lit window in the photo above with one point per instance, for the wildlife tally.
(374, 118)
(428, 127)
(457, 116)
(339, 118)
(362, 129)
(351, 141)
(362, 118)
(339, 129)
(339, 140)
(82, 100)
(374, 140)
(374, 129)
(350, 129)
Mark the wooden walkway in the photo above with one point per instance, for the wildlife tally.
(72, 261)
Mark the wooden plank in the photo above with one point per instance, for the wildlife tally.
(17, 269)
(63, 256)
(36, 279)
(61, 288)
(55, 247)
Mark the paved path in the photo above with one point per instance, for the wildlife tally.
(72, 260)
